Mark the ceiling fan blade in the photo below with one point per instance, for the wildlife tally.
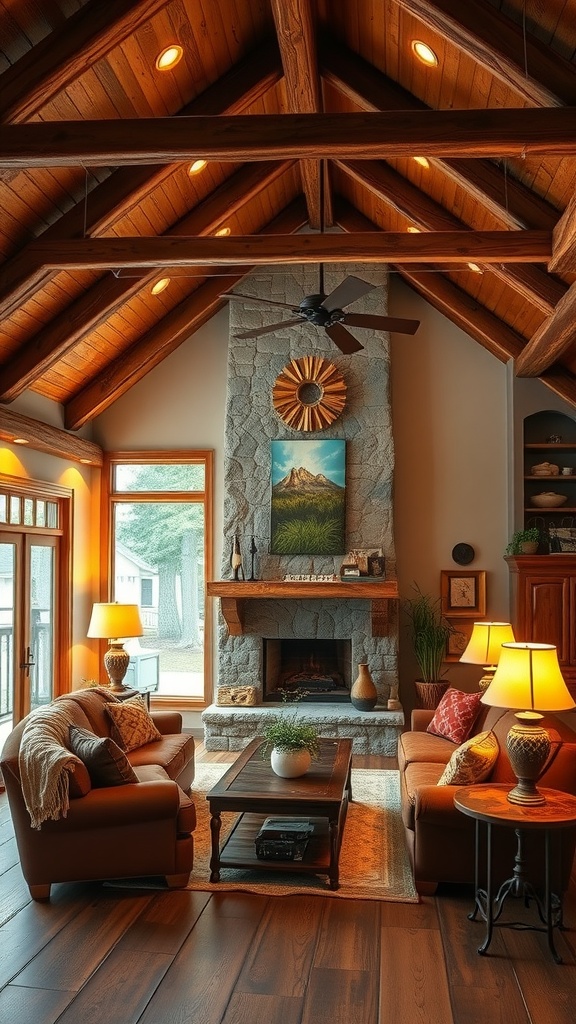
(382, 323)
(254, 298)
(348, 291)
(257, 331)
(345, 341)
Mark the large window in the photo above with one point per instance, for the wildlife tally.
(160, 516)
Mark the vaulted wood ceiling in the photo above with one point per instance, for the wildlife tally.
(306, 112)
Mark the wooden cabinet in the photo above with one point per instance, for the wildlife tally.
(544, 605)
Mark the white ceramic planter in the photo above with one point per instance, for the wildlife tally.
(289, 764)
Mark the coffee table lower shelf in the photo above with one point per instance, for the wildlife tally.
(239, 851)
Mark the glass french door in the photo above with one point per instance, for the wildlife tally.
(27, 624)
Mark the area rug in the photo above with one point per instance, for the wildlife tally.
(374, 863)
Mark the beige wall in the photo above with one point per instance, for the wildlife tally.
(457, 416)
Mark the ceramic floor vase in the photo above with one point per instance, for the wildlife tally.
(363, 694)
(289, 764)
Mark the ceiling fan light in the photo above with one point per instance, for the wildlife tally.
(169, 57)
(424, 53)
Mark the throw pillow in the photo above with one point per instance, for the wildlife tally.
(132, 726)
(107, 765)
(455, 715)
(472, 761)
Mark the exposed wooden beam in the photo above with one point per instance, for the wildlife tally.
(94, 306)
(551, 340)
(536, 73)
(51, 65)
(366, 136)
(295, 30)
(175, 328)
(45, 438)
(564, 239)
(506, 198)
(447, 246)
(386, 184)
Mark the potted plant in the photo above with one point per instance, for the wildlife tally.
(430, 631)
(292, 742)
(524, 542)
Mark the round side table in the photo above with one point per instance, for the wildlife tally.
(489, 805)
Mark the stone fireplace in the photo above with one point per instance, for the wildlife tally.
(333, 613)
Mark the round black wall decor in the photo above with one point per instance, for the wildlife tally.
(463, 554)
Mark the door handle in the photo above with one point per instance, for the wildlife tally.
(29, 662)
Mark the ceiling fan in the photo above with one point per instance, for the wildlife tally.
(328, 311)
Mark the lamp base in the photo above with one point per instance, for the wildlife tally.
(528, 746)
(484, 683)
(116, 661)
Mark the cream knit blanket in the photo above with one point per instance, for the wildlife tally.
(45, 763)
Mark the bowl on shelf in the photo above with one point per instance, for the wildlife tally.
(545, 469)
(548, 499)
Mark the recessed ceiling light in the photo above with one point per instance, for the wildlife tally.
(423, 162)
(222, 232)
(19, 440)
(169, 57)
(86, 462)
(160, 285)
(475, 268)
(413, 230)
(424, 53)
(198, 165)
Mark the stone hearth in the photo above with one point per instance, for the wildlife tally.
(371, 732)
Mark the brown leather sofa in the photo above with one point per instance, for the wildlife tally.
(440, 839)
(131, 830)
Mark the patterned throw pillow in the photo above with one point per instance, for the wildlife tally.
(455, 715)
(132, 726)
(107, 765)
(472, 761)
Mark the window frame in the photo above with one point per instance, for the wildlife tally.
(111, 497)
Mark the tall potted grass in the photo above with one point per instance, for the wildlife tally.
(430, 632)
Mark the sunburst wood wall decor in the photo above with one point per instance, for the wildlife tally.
(309, 393)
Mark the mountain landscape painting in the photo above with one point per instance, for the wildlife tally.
(308, 507)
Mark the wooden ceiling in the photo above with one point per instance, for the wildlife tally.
(306, 112)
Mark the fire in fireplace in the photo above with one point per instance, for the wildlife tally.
(316, 670)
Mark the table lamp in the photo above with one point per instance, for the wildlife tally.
(110, 622)
(528, 677)
(484, 647)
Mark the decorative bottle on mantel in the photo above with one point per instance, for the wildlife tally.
(363, 694)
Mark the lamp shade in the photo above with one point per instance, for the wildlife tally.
(485, 643)
(528, 678)
(111, 621)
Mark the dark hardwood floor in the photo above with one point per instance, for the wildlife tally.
(95, 955)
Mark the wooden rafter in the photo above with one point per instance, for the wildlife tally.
(295, 31)
(364, 136)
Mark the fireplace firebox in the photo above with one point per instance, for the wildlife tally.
(313, 670)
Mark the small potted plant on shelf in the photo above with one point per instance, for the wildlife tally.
(524, 542)
(430, 631)
(293, 744)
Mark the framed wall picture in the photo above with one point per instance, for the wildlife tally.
(463, 593)
(308, 503)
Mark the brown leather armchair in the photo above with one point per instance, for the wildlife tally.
(141, 828)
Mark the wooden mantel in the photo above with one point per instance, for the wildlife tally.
(233, 596)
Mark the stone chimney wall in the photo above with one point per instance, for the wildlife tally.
(252, 423)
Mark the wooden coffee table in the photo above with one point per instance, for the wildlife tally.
(251, 788)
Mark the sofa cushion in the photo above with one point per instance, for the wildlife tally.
(418, 747)
(107, 764)
(472, 761)
(455, 715)
(132, 726)
(172, 753)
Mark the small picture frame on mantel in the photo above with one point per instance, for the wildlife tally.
(463, 593)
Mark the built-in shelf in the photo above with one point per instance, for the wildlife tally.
(233, 596)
